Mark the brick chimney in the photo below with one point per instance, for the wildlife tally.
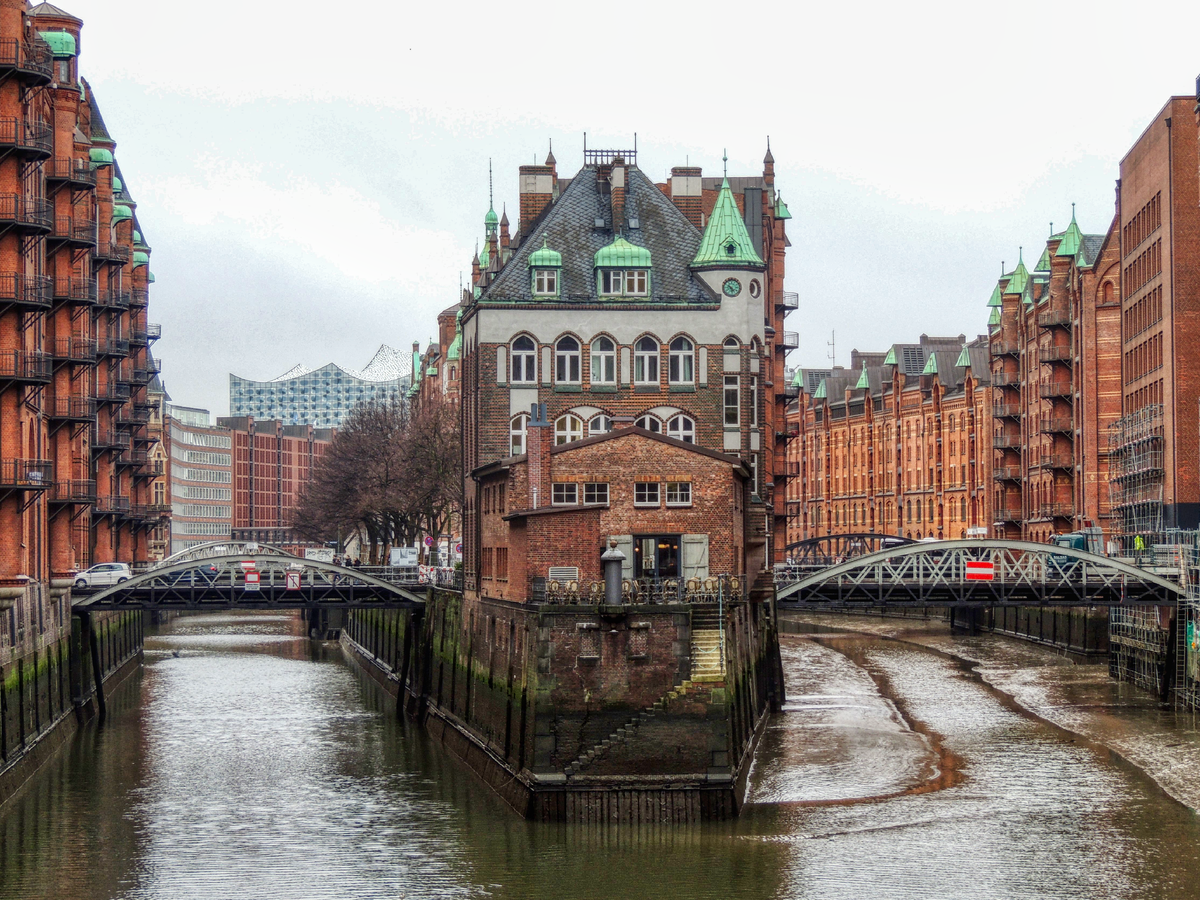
(616, 182)
(687, 192)
(537, 192)
(538, 441)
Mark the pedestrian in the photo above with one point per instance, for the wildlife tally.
(1139, 547)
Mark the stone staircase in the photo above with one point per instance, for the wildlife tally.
(707, 664)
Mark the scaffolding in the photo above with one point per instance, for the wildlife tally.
(1136, 475)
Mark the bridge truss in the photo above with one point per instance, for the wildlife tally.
(975, 573)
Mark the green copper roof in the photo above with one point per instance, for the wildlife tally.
(121, 212)
(964, 358)
(997, 297)
(930, 365)
(485, 256)
(622, 254)
(797, 381)
(101, 156)
(781, 210)
(1043, 264)
(150, 277)
(820, 394)
(61, 43)
(137, 236)
(455, 350)
(118, 184)
(726, 241)
(994, 318)
(491, 220)
(1072, 239)
(1027, 294)
(890, 359)
(1020, 277)
(863, 381)
(544, 257)
(140, 258)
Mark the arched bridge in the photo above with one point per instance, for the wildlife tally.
(257, 581)
(832, 549)
(975, 573)
(225, 547)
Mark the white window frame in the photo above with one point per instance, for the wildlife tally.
(523, 362)
(732, 383)
(598, 491)
(649, 422)
(564, 493)
(604, 361)
(600, 424)
(681, 362)
(644, 488)
(682, 491)
(518, 434)
(567, 428)
(568, 361)
(682, 428)
(545, 282)
(624, 282)
(753, 401)
(645, 361)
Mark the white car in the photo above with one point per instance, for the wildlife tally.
(103, 575)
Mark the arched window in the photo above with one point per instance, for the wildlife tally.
(650, 423)
(732, 344)
(600, 424)
(604, 361)
(683, 428)
(566, 361)
(680, 364)
(931, 519)
(964, 509)
(645, 361)
(524, 360)
(517, 430)
(568, 428)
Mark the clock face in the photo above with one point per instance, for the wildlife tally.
(732, 287)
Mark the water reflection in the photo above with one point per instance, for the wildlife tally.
(247, 763)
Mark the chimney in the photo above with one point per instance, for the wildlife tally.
(539, 439)
(537, 192)
(687, 192)
(616, 182)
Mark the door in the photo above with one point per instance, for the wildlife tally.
(656, 555)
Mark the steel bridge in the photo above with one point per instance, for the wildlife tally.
(832, 549)
(976, 573)
(249, 581)
(226, 547)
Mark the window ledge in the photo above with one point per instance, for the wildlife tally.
(683, 389)
(603, 388)
(568, 388)
(647, 389)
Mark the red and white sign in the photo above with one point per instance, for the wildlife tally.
(293, 581)
(980, 571)
(247, 564)
(251, 580)
(429, 541)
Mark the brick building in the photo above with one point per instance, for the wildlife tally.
(74, 340)
(438, 371)
(1055, 336)
(619, 298)
(900, 443)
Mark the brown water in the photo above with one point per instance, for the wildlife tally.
(252, 765)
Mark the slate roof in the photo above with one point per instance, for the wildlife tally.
(568, 227)
(49, 9)
(99, 131)
(1090, 249)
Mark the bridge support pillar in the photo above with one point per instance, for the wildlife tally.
(964, 620)
(326, 624)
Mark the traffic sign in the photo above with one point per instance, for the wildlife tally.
(980, 570)
(429, 541)
(458, 548)
(293, 581)
(252, 576)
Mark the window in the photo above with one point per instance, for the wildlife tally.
(517, 430)
(679, 493)
(524, 360)
(754, 401)
(566, 361)
(680, 362)
(650, 423)
(754, 474)
(545, 282)
(568, 428)
(596, 492)
(732, 344)
(599, 425)
(645, 361)
(732, 396)
(604, 361)
(645, 494)
(630, 282)
(564, 494)
(682, 428)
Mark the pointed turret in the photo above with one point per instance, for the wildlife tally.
(1072, 238)
(726, 242)
(863, 380)
(504, 228)
(1020, 276)
(769, 166)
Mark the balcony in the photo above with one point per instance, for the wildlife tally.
(79, 231)
(19, 366)
(112, 347)
(1005, 348)
(26, 474)
(113, 392)
(1054, 354)
(1054, 318)
(138, 337)
(28, 292)
(153, 331)
(1056, 510)
(791, 391)
(140, 297)
(1008, 514)
(1006, 442)
(31, 138)
(137, 414)
(29, 215)
(1057, 461)
(75, 350)
(788, 340)
(110, 506)
(76, 172)
(1006, 379)
(1057, 425)
(73, 492)
(81, 291)
(112, 252)
(1006, 410)
(32, 60)
(1006, 473)
(108, 439)
(159, 509)
(1051, 389)
(787, 301)
(72, 409)
(116, 301)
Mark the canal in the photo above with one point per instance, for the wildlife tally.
(245, 762)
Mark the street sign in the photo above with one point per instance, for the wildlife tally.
(293, 581)
(980, 571)
(251, 580)
(429, 541)
(458, 548)
(247, 564)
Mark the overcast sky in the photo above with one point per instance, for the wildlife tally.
(313, 182)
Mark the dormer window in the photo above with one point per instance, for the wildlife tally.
(545, 265)
(624, 282)
(545, 282)
(622, 270)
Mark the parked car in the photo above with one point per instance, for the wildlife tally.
(103, 575)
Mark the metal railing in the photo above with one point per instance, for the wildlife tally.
(75, 289)
(1006, 379)
(1057, 461)
(1006, 441)
(76, 171)
(1005, 348)
(26, 474)
(1006, 473)
(33, 212)
(1059, 424)
(30, 135)
(1050, 389)
(21, 365)
(1006, 410)
(1056, 510)
(77, 229)
(788, 340)
(438, 576)
(74, 349)
(642, 591)
(113, 299)
(1054, 354)
(788, 300)
(113, 392)
(30, 57)
(140, 297)
(1054, 317)
(72, 409)
(29, 291)
(112, 346)
(111, 251)
(73, 492)
(109, 505)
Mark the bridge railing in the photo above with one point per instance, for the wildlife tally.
(709, 589)
(438, 576)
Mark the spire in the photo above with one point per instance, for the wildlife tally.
(490, 221)
(863, 380)
(504, 216)
(726, 242)
(769, 165)
(769, 158)
(1072, 238)
(964, 358)
(550, 160)
(1020, 276)
(725, 162)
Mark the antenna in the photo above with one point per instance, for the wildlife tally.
(725, 161)
(490, 205)
(832, 345)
